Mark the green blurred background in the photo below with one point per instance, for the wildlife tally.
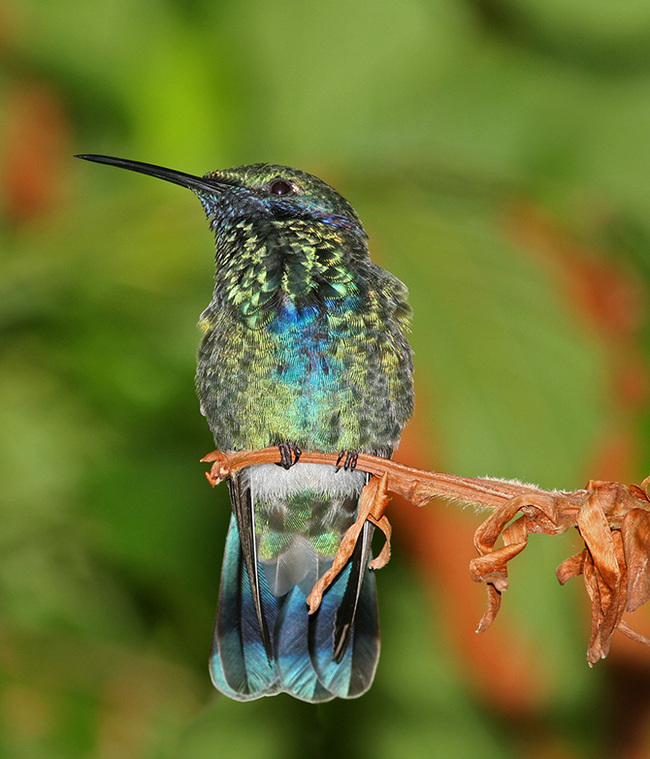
(497, 151)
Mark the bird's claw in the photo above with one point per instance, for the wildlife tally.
(289, 455)
(350, 462)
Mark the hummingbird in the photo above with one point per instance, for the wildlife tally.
(303, 348)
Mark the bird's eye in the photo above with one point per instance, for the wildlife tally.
(280, 187)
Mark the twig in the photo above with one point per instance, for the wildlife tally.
(613, 520)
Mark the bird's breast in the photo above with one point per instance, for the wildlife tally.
(307, 360)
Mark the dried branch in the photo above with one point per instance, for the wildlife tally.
(612, 519)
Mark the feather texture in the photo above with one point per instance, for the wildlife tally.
(302, 658)
(303, 343)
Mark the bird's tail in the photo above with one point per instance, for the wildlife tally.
(317, 657)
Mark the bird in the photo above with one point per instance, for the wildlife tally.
(303, 347)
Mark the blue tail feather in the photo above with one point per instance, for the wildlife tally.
(291, 649)
(239, 665)
(353, 674)
(302, 660)
(335, 675)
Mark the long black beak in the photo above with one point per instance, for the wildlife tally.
(198, 184)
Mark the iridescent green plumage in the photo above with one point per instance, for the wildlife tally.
(303, 345)
(288, 284)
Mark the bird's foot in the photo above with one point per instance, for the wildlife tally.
(289, 454)
(350, 460)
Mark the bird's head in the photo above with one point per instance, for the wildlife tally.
(256, 192)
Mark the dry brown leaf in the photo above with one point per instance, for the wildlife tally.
(612, 519)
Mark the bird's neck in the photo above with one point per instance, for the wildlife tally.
(261, 267)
